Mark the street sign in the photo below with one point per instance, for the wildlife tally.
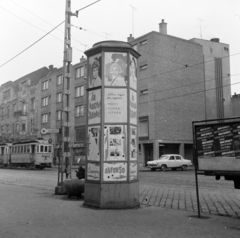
(52, 130)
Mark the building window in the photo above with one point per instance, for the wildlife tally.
(79, 111)
(79, 91)
(144, 91)
(143, 127)
(144, 42)
(13, 127)
(45, 85)
(80, 134)
(44, 101)
(17, 128)
(8, 111)
(80, 72)
(59, 97)
(24, 109)
(59, 117)
(44, 118)
(33, 104)
(24, 126)
(142, 67)
(59, 79)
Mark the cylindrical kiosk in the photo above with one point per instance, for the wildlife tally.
(112, 141)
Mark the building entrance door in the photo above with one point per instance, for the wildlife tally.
(148, 153)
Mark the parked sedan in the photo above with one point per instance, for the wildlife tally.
(172, 161)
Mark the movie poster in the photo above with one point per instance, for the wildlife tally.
(133, 171)
(93, 171)
(133, 72)
(94, 106)
(115, 137)
(115, 69)
(133, 107)
(133, 143)
(115, 105)
(114, 171)
(95, 71)
(94, 143)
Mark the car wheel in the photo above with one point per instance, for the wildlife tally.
(163, 167)
(184, 167)
(153, 169)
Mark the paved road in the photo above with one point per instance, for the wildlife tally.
(169, 189)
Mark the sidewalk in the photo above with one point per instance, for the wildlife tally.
(30, 212)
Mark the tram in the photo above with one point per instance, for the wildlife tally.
(31, 154)
(5, 152)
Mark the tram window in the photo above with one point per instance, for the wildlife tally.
(46, 149)
(25, 149)
(37, 148)
(41, 148)
(50, 149)
(28, 148)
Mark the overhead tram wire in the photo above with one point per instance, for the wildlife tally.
(183, 95)
(44, 35)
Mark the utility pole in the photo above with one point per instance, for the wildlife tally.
(133, 8)
(65, 120)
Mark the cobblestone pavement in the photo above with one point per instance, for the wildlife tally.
(170, 189)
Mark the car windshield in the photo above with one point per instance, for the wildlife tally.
(164, 157)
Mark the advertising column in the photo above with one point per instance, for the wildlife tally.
(111, 164)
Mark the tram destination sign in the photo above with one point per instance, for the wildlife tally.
(218, 146)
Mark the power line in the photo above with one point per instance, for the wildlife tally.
(32, 44)
(183, 95)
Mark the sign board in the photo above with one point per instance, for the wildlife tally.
(218, 146)
(52, 130)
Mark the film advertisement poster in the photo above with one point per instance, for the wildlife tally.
(116, 105)
(133, 107)
(94, 106)
(115, 171)
(115, 138)
(218, 147)
(93, 171)
(133, 171)
(115, 69)
(133, 143)
(94, 67)
(133, 72)
(94, 143)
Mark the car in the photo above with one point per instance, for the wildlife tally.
(173, 161)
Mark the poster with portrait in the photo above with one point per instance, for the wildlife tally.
(93, 171)
(133, 171)
(93, 143)
(133, 143)
(133, 72)
(115, 105)
(95, 71)
(115, 73)
(114, 171)
(133, 107)
(115, 138)
(94, 106)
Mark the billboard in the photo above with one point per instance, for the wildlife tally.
(218, 146)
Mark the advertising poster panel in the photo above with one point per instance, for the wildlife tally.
(115, 171)
(133, 171)
(133, 143)
(115, 73)
(133, 107)
(93, 171)
(94, 106)
(115, 138)
(93, 143)
(94, 69)
(218, 146)
(133, 72)
(115, 105)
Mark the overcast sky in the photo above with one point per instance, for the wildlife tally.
(25, 21)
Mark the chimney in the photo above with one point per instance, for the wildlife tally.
(215, 40)
(130, 38)
(50, 67)
(82, 59)
(163, 27)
